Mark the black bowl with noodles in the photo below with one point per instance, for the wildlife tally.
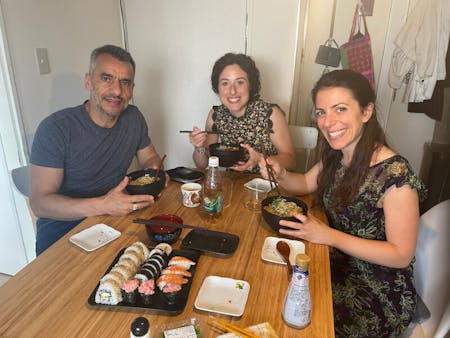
(228, 154)
(143, 182)
(276, 208)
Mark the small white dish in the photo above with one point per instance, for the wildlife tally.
(259, 184)
(223, 295)
(94, 237)
(270, 253)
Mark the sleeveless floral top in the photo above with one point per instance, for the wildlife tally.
(371, 300)
(254, 127)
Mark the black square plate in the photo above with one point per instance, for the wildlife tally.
(159, 304)
(213, 242)
(185, 175)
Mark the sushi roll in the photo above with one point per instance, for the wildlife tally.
(182, 262)
(144, 248)
(165, 247)
(146, 291)
(126, 272)
(133, 255)
(170, 291)
(129, 290)
(128, 262)
(108, 293)
(114, 275)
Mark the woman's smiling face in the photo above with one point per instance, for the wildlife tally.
(340, 118)
(234, 89)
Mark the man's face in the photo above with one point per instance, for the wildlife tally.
(111, 84)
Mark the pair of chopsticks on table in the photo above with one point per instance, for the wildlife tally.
(204, 131)
(167, 224)
(228, 327)
(271, 175)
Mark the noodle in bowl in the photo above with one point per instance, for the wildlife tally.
(277, 208)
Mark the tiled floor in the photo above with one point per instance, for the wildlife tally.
(3, 278)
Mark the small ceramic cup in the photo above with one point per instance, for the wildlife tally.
(191, 194)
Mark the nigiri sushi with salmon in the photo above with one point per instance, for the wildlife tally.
(182, 262)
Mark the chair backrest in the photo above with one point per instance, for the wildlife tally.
(21, 179)
(431, 268)
(304, 138)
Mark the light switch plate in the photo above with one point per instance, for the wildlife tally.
(42, 60)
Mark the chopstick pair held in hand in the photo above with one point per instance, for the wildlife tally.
(271, 174)
(204, 131)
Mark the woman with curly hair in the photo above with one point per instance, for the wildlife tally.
(243, 118)
(371, 197)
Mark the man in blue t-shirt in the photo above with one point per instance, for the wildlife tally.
(80, 155)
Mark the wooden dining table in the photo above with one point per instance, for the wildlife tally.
(49, 297)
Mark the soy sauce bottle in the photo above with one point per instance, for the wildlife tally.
(212, 189)
(140, 328)
(297, 303)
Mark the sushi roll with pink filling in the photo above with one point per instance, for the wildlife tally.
(129, 290)
(147, 290)
(170, 291)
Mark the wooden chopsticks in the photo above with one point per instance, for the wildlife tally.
(270, 174)
(167, 224)
(206, 132)
(226, 326)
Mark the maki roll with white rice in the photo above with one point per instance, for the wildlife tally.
(108, 293)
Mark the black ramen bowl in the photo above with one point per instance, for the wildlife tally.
(137, 182)
(228, 154)
(273, 219)
(164, 234)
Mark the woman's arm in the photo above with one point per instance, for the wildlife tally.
(401, 211)
(282, 140)
(294, 183)
(201, 142)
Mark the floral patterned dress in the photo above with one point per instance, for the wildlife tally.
(254, 127)
(371, 300)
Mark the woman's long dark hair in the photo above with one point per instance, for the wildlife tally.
(372, 137)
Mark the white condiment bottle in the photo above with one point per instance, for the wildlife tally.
(140, 328)
(297, 303)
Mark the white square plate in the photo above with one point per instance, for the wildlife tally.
(95, 237)
(223, 295)
(270, 253)
(259, 184)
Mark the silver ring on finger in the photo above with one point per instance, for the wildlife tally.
(135, 206)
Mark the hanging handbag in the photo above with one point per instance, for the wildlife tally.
(356, 54)
(329, 55)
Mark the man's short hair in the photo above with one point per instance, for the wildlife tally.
(115, 51)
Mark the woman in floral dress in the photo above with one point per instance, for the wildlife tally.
(371, 196)
(243, 118)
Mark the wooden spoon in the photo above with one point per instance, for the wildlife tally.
(285, 250)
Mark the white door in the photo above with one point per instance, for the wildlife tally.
(12, 249)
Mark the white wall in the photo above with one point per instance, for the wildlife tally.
(69, 30)
(175, 45)
(405, 132)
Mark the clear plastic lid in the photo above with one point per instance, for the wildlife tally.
(213, 161)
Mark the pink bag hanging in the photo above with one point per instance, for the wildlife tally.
(356, 54)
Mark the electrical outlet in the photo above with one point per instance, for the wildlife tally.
(42, 60)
